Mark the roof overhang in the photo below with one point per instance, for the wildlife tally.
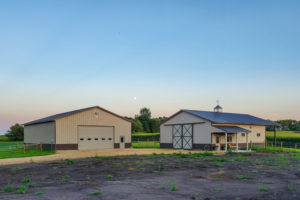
(231, 129)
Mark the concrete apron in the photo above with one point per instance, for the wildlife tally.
(77, 154)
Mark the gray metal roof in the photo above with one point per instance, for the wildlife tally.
(52, 118)
(232, 129)
(230, 118)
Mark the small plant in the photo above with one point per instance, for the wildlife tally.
(109, 176)
(26, 180)
(8, 188)
(174, 187)
(14, 170)
(33, 185)
(38, 193)
(70, 162)
(63, 180)
(216, 189)
(88, 178)
(290, 187)
(163, 185)
(254, 171)
(55, 167)
(96, 192)
(242, 177)
(92, 167)
(263, 189)
(21, 189)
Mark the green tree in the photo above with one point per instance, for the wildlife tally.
(16, 132)
(144, 117)
(138, 126)
(154, 125)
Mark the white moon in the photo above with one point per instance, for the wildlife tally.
(134, 98)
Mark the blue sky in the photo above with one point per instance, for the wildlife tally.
(57, 56)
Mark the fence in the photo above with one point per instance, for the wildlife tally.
(283, 144)
(18, 147)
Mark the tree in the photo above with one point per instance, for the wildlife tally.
(154, 125)
(16, 132)
(138, 126)
(144, 117)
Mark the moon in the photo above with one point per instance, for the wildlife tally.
(134, 98)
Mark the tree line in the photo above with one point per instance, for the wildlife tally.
(143, 122)
(286, 125)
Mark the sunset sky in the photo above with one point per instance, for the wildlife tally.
(57, 56)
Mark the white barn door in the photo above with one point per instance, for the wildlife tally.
(177, 136)
(182, 136)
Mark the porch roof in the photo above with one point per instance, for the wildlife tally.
(232, 129)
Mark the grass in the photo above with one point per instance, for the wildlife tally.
(242, 177)
(3, 138)
(17, 153)
(174, 187)
(38, 193)
(96, 192)
(276, 149)
(21, 189)
(109, 176)
(262, 189)
(26, 180)
(144, 144)
(295, 134)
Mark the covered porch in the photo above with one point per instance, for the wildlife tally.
(228, 138)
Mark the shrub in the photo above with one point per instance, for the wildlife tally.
(174, 187)
(26, 180)
(21, 189)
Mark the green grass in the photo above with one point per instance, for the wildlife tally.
(3, 138)
(144, 134)
(276, 149)
(96, 192)
(6, 145)
(16, 153)
(295, 134)
(144, 144)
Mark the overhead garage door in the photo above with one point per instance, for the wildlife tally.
(95, 137)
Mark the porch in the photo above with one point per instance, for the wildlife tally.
(229, 137)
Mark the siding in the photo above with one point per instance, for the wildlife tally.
(252, 136)
(201, 133)
(37, 133)
(67, 127)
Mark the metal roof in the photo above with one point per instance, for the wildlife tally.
(232, 129)
(52, 118)
(230, 118)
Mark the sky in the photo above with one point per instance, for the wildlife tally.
(166, 55)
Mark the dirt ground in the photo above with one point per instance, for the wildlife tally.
(75, 154)
(157, 176)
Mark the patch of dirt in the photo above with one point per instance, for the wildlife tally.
(157, 176)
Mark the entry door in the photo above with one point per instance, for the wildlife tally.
(95, 137)
(122, 142)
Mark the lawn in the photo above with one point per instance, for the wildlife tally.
(145, 144)
(157, 176)
(14, 149)
(294, 134)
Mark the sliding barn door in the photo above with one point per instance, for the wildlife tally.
(182, 136)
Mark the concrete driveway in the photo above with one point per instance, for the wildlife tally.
(76, 154)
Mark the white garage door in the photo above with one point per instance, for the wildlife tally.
(95, 137)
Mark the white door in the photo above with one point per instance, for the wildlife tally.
(177, 136)
(122, 142)
(95, 137)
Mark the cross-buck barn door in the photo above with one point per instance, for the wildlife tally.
(177, 136)
(187, 136)
(182, 136)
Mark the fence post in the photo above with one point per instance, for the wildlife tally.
(296, 146)
(24, 148)
(281, 144)
(41, 146)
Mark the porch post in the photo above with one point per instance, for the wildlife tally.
(247, 141)
(226, 141)
(237, 142)
(275, 139)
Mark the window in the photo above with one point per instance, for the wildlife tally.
(122, 139)
(97, 115)
(81, 138)
(96, 138)
(217, 139)
(243, 134)
(229, 138)
(89, 138)
(109, 139)
(258, 134)
(103, 138)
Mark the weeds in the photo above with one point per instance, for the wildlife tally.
(21, 189)
(109, 176)
(96, 192)
(38, 193)
(174, 187)
(263, 189)
(26, 180)
(69, 162)
(290, 187)
(14, 170)
(242, 177)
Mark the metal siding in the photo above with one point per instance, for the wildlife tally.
(252, 136)
(37, 133)
(66, 128)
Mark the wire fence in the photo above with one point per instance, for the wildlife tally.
(13, 147)
(283, 144)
